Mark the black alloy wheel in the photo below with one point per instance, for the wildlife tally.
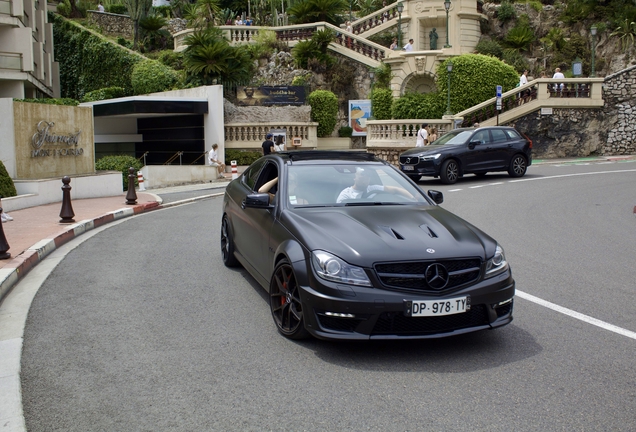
(450, 172)
(284, 300)
(227, 244)
(518, 166)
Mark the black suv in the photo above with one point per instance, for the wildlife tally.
(470, 150)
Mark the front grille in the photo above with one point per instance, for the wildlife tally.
(412, 160)
(412, 275)
(394, 323)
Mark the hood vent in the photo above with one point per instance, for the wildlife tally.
(390, 231)
(427, 229)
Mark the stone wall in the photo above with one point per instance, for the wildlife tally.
(607, 131)
(112, 24)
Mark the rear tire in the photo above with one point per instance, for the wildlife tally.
(227, 244)
(450, 172)
(284, 301)
(518, 166)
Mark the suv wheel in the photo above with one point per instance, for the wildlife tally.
(518, 166)
(450, 172)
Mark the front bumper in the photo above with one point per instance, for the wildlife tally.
(333, 311)
(423, 168)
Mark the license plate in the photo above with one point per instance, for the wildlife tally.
(425, 308)
(408, 168)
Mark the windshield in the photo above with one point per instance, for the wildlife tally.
(454, 137)
(350, 184)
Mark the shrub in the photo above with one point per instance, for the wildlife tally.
(324, 110)
(381, 103)
(103, 94)
(489, 47)
(242, 157)
(7, 188)
(117, 9)
(52, 101)
(119, 163)
(345, 132)
(506, 12)
(150, 76)
(419, 106)
(474, 79)
(64, 8)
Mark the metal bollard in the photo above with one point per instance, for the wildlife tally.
(4, 245)
(67, 209)
(131, 196)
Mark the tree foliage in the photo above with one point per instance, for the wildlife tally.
(137, 9)
(151, 76)
(381, 103)
(309, 11)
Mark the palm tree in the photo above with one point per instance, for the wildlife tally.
(318, 10)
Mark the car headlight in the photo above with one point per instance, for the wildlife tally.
(430, 157)
(497, 264)
(332, 268)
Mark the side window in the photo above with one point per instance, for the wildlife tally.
(481, 136)
(269, 172)
(498, 135)
(251, 174)
(513, 134)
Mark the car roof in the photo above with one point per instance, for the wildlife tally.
(327, 156)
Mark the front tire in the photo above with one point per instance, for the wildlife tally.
(518, 166)
(284, 300)
(450, 172)
(227, 244)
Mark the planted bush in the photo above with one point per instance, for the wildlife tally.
(150, 76)
(242, 157)
(103, 94)
(7, 188)
(324, 110)
(119, 163)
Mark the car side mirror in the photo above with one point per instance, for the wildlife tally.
(473, 143)
(257, 200)
(436, 196)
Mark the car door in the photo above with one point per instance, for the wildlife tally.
(259, 224)
(501, 148)
(476, 154)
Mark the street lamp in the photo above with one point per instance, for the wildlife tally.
(400, 8)
(449, 68)
(447, 5)
(593, 30)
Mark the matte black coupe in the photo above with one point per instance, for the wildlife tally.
(470, 150)
(349, 248)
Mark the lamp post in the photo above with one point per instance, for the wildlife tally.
(447, 5)
(350, 12)
(400, 8)
(449, 68)
(593, 31)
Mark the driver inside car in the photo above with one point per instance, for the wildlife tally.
(362, 189)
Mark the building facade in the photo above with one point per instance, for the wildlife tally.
(27, 69)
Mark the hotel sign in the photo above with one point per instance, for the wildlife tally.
(45, 143)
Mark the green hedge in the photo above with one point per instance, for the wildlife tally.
(7, 188)
(119, 163)
(324, 110)
(52, 101)
(89, 61)
(150, 76)
(242, 157)
(381, 102)
(103, 94)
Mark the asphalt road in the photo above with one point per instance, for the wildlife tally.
(141, 327)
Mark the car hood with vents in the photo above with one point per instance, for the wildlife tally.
(364, 235)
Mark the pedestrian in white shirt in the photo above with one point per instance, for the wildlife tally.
(213, 159)
(409, 46)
